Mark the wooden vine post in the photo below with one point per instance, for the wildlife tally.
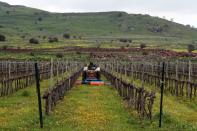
(38, 93)
(51, 72)
(161, 98)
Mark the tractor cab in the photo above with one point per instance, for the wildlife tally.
(91, 75)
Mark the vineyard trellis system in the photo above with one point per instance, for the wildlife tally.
(138, 98)
(53, 95)
(19, 75)
(180, 77)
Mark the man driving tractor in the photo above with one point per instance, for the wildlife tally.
(91, 73)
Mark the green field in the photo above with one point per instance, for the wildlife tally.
(92, 108)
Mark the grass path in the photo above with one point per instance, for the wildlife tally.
(93, 108)
(83, 108)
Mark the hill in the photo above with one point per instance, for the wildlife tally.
(21, 20)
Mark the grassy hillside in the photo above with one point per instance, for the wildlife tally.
(20, 20)
(19, 23)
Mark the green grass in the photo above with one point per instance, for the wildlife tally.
(20, 109)
(179, 112)
(85, 107)
(92, 108)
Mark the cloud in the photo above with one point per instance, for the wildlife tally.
(183, 11)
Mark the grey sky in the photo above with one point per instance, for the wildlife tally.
(182, 11)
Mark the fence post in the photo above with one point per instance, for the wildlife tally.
(161, 98)
(51, 74)
(38, 93)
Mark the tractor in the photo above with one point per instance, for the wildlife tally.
(91, 75)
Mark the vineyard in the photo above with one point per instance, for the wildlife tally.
(136, 82)
(98, 71)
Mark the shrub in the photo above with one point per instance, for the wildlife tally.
(59, 55)
(74, 37)
(25, 93)
(39, 18)
(52, 39)
(142, 45)
(190, 48)
(4, 47)
(44, 37)
(126, 40)
(127, 45)
(8, 12)
(2, 37)
(23, 36)
(66, 35)
(34, 41)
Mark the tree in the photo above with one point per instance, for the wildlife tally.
(66, 35)
(34, 41)
(190, 48)
(2, 37)
(8, 12)
(125, 40)
(39, 18)
(142, 45)
(52, 39)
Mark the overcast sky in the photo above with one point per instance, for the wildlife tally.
(182, 11)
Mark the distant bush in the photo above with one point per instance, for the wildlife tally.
(23, 36)
(1, 26)
(5, 47)
(44, 37)
(39, 18)
(34, 41)
(127, 45)
(125, 40)
(59, 55)
(2, 37)
(142, 45)
(66, 35)
(190, 48)
(52, 39)
(74, 37)
(36, 13)
(8, 12)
